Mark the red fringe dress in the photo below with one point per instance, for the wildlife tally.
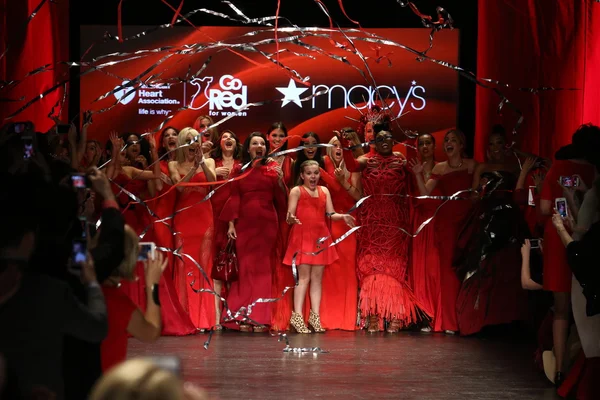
(382, 259)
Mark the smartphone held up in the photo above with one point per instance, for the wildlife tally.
(147, 251)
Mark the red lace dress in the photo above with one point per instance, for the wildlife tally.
(339, 298)
(257, 203)
(304, 237)
(195, 238)
(382, 259)
(138, 218)
(424, 272)
(447, 224)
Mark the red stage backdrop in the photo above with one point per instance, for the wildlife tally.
(426, 93)
(530, 43)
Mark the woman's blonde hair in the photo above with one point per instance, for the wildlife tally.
(330, 154)
(138, 379)
(126, 269)
(182, 140)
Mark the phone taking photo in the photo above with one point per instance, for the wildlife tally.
(147, 251)
(27, 147)
(79, 252)
(80, 180)
(530, 199)
(535, 243)
(560, 204)
(168, 363)
(569, 181)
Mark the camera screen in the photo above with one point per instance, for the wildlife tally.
(146, 251)
(79, 251)
(78, 181)
(561, 208)
(27, 148)
(567, 181)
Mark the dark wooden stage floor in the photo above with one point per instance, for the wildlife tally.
(359, 366)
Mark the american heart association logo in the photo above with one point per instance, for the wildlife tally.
(126, 94)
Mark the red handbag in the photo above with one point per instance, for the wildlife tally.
(226, 266)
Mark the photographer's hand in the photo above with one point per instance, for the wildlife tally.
(100, 184)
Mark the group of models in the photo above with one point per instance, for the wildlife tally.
(459, 273)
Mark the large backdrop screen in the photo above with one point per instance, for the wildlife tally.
(237, 70)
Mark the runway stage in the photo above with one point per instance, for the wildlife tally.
(408, 365)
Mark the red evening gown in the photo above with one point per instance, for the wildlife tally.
(218, 201)
(304, 237)
(339, 298)
(424, 272)
(195, 236)
(175, 320)
(557, 274)
(257, 203)
(447, 225)
(138, 218)
(382, 258)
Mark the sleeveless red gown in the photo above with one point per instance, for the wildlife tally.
(303, 237)
(382, 258)
(447, 225)
(339, 299)
(424, 272)
(257, 203)
(195, 237)
(175, 320)
(138, 218)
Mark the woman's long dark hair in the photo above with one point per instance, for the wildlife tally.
(144, 146)
(217, 153)
(302, 157)
(246, 155)
(278, 125)
(161, 149)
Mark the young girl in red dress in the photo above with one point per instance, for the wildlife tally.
(308, 208)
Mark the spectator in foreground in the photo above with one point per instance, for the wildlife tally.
(142, 379)
(36, 311)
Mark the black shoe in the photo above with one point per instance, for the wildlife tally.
(559, 378)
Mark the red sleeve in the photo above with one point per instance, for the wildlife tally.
(231, 209)
(550, 181)
(350, 161)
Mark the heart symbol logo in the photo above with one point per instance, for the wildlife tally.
(126, 94)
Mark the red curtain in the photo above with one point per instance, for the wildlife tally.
(534, 43)
(44, 40)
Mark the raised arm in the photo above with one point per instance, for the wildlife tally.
(292, 205)
(350, 221)
(425, 188)
(176, 177)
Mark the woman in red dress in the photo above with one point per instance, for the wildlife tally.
(557, 274)
(195, 230)
(282, 276)
(227, 158)
(176, 321)
(340, 285)
(309, 207)
(310, 153)
(255, 207)
(382, 259)
(140, 183)
(276, 134)
(424, 273)
(210, 136)
(450, 177)
(125, 317)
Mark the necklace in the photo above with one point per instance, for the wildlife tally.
(458, 166)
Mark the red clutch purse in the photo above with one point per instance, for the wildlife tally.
(226, 266)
